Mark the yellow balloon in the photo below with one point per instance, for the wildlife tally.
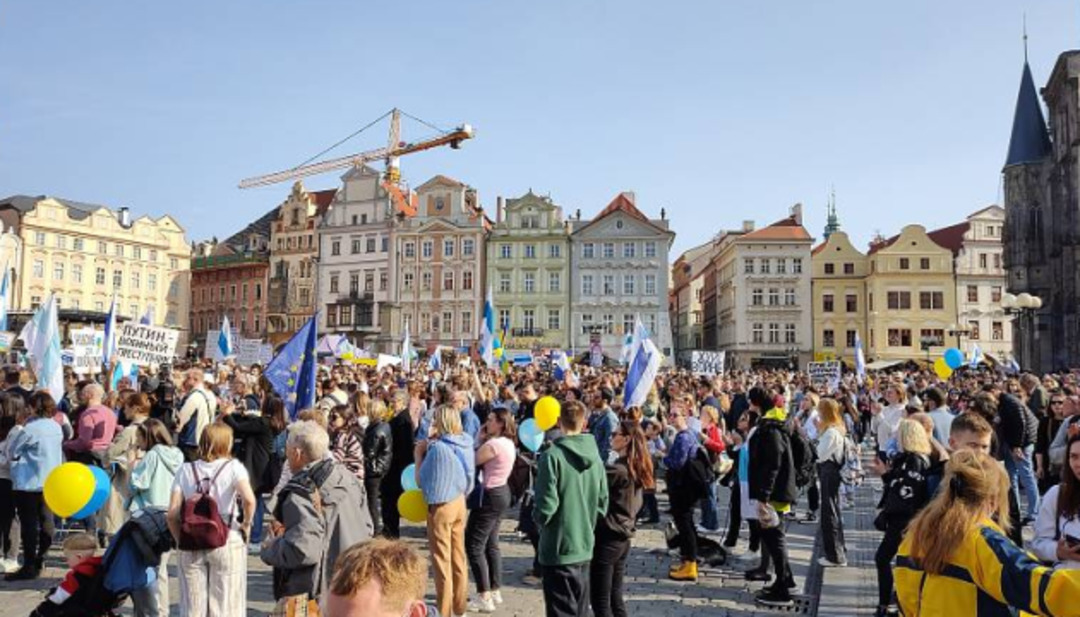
(942, 369)
(546, 412)
(69, 488)
(412, 507)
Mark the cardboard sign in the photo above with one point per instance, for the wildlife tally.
(253, 351)
(824, 372)
(6, 339)
(146, 345)
(87, 345)
(211, 349)
(708, 363)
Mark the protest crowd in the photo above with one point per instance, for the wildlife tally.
(208, 464)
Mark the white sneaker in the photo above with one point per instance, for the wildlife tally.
(481, 604)
(705, 531)
(497, 596)
(748, 556)
(254, 549)
(825, 563)
(8, 565)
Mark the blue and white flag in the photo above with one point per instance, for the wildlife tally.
(5, 293)
(644, 365)
(563, 372)
(406, 351)
(860, 359)
(435, 361)
(1012, 366)
(627, 348)
(148, 317)
(224, 339)
(976, 356)
(487, 332)
(292, 371)
(42, 338)
(124, 369)
(108, 346)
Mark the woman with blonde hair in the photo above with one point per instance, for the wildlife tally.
(445, 470)
(956, 558)
(378, 454)
(832, 433)
(904, 495)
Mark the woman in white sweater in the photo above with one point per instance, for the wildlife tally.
(830, 456)
(1057, 529)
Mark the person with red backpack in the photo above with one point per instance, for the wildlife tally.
(210, 514)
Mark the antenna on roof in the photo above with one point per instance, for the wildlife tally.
(1025, 39)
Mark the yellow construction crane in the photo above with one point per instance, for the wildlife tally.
(391, 154)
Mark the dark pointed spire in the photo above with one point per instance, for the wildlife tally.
(1029, 142)
(832, 223)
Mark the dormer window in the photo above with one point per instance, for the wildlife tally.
(440, 203)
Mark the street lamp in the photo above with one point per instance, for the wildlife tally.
(926, 343)
(959, 332)
(1024, 306)
(793, 357)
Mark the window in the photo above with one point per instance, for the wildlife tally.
(629, 250)
(466, 319)
(982, 260)
(554, 251)
(995, 293)
(924, 263)
(608, 321)
(997, 331)
(118, 280)
(609, 250)
(355, 219)
(425, 281)
(427, 249)
(774, 296)
(830, 268)
(77, 244)
(76, 272)
(899, 300)
(554, 319)
(529, 282)
(530, 222)
(650, 284)
(997, 261)
(153, 252)
(137, 252)
(369, 281)
(468, 247)
(134, 309)
(851, 338)
(448, 281)
(369, 245)
(899, 337)
(849, 268)
(796, 265)
(628, 284)
(827, 303)
(748, 265)
(39, 238)
(447, 322)
(99, 307)
(448, 248)
(650, 249)
(232, 292)
(931, 300)
(335, 247)
(505, 251)
(774, 333)
(789, 296)
(530, 251)
(588, 250)
(758, 333)
(334, 283)
(103, 247)
(258, 291)
(467, 280)
(410, 249)
(363, 219)
(354, 283)
(119, 250)
(425, 322)
(407, 281)
(346, 315)
(61, 242)
(135, 280)
(504, 319)
(608, 288)
(766, 266)
(781, 266)
(385, 245)
(39, 268)
(905, 263)
(504, 282)
(934, 336)
(35, 302)
(972, 293)
(99, 277)
(58, 271)
(627, 323)
(789, 333)
(528, 319)
(586, 284)
(586, 323)
(174, 263)
(554, 282)
(757, 297)
(973, 327)
(852, 303)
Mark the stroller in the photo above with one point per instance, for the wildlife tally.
(128, 564)
(710, 552)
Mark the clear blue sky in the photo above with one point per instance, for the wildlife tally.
(717, 111)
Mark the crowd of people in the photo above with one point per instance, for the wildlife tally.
(966, 464)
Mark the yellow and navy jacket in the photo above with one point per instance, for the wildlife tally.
(986, 575)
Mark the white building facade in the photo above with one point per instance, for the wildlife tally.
(980, 283)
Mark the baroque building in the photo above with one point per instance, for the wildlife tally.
(839, 282)
(528, 268)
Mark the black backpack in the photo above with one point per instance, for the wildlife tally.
(805, 456)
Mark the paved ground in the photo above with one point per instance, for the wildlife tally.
(720, 591)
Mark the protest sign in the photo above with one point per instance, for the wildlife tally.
(248, 351)
(824, 373)
(707, 363)
(211, 349)
(6, 339)
(87, 345)
(146, 345)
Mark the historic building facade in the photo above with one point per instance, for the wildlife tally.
(294, 252)
(762, 294)
(439, 267)
(839, 297)
(1042, 217)
(619, 267)
(85, 254)
(528, 268)
(686, 297)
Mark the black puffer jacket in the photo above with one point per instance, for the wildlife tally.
(772, 466)
(378, 450)
(1019, 427)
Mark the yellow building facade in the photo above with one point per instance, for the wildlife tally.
(839, 283)
(85, 254)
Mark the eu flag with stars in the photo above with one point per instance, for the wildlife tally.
(292, 371)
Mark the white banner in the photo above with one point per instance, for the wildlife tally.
(211, 349)
(146, 345)
(824, 373)
(87, 345)
(708, 363)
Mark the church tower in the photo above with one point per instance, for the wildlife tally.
(832, 222)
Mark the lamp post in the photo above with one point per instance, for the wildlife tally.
(926, 343)
(959, 332)
(793, 357)
(1024, 306)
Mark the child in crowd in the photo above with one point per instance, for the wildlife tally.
(79, 551)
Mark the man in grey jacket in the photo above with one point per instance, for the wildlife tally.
(321, 512)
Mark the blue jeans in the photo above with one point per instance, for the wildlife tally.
(1023, 472)
(257, 523)
(710, 511)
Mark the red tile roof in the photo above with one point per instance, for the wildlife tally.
(817, 249)
(785, 229)
(880, 244)
(404, 203)
(951, 237)
(322, 200)
(622, 203)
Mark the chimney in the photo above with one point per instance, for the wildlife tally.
(498, 209)
(629, 195)
(747, 226)
(579, 214)
(124, 216)
(796, 213)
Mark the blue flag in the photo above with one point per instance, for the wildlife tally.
(4, 293)
(292, 371)
(109, 344)
(225, 342)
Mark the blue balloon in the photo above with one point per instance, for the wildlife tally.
(954, 358)
(408, 478)
(102, 488)
(531, 435)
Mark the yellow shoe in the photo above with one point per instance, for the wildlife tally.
(686, 572)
